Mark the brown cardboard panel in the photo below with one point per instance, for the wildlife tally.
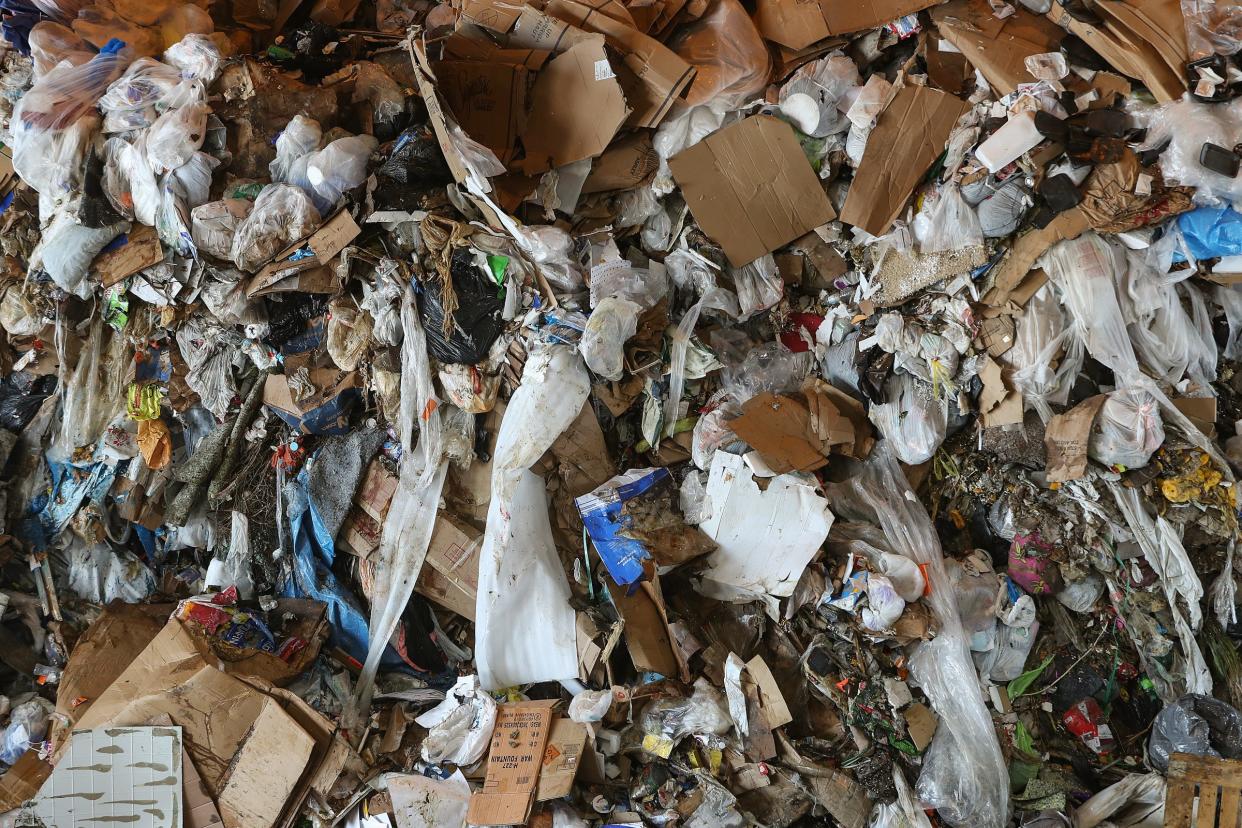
(661, 74)
(561, 759)
(648, 638)
(141, 250)
(751, 188)
(451, 575)
(248, 750)
(489, 100)
(513, 764)
(997, 48)
(309, 275)
(909, 135)
(626, 163)
(1027, 249)
(793, 23)
(576, 108)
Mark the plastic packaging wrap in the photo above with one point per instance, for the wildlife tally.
(1212, 28)
(827, 81)
(1137, 801)
(1230, 299)
(282, 214)
(964, 775)
(731, 57)
(1169, 341)
(951, 224)
(1196, 724)
(1127, 430)
(340, 166)
(612, 322)
(910, 419)
(300, 137)
(1189, 124)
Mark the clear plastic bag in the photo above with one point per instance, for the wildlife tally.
(1188, 125)
(1137, 801)
(300, 137)
(130, 101)
(47, 152)
(964, 775)
(27, 726)
(682, 128)
(1230, 300)
(338, 167)
(50, 43)
(609, 327)
(1046, 356)
(672, 719)
(282, 214)
(129, 182)
(910, 419)
(387, 100)
(1212, 28)
(1128, 429)
(349, 333)
(460, 727)
(181, 191)
(196, 56)
(1170, 342)
(951, 224)
(99, 25)
(729, 54)
(828, 82)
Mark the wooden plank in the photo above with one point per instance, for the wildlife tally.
(1207, 807)
(1230, 802)
(1179, 804)
(1227, 773)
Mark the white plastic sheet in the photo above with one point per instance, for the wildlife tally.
(524, 626)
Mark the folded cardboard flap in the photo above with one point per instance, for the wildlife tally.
(751, 188)
(909, 135)
(488, 97)
(561, 759)
(249, 751)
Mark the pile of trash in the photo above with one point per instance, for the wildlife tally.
(573, 413)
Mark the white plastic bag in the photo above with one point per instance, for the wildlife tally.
(460, 727)
(828, 82)
(525, 628)
(50, 43)
(1137, 801)
(338, 167)
(67, 249)
(759, 286)
(300, 137)
(177, 134)
(214, 224)
(1046, 356)
(951, 224)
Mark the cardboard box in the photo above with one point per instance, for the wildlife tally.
(909, 135)
(250, 752)
(751, 188)
(307, 273)
(450, 575)
(489, 100)
(513, 764)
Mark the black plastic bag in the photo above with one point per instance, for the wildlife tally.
(475, 323)
(1195, 724)
(21, 394)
